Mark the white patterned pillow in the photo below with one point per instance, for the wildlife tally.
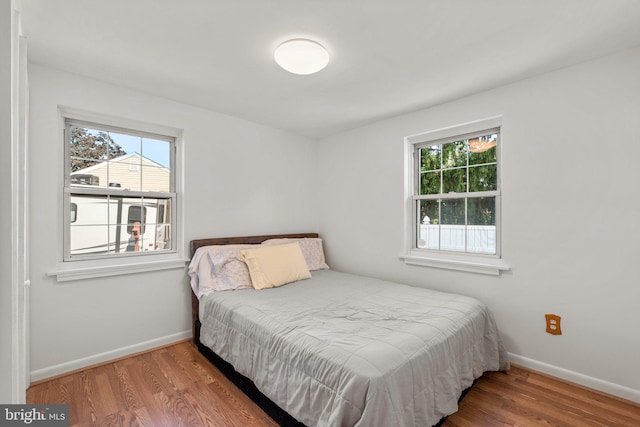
(311, 249)
(219, 268)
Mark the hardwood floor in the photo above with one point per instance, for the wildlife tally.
(172, 386)
(176, 386)
(521, 397)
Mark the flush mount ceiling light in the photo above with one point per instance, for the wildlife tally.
(301, 56)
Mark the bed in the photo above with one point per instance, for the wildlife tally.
(335, 349)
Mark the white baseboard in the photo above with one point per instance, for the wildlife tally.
(577, 378)
(96, 359)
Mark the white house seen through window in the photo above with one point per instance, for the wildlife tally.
(119, 190)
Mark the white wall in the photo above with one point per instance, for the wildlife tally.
(571, 211)
(241, 178)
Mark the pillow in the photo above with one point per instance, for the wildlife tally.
(219, 268)
(271, 266)
(311, 249)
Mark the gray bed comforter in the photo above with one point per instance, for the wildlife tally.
(346, 350)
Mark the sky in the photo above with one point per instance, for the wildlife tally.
(153, 149)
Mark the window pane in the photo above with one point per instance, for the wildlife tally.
(430, 158)
(136, 219)
(119, 208)
(88, 172)
(429, 211)
(430, 183)
(158, 152)
(89, 234)
(108, 224)
(483, 149)
(87, 145)
(452, 230)
(428, 230)
(156, 162)
(145, 224)
(91, 210)
(95, 155)
(454, 154)
(483, 178)
(452, 211)
(446, 233)
(124, 173)
(481, 231)
(126, 161)
(124, 145)
(454, 180)
(163, 225)
(481, 211)
(88, 239)
(114, 159)
(155, 178)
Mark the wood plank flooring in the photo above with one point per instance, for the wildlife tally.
(176, 386)
(522, 397)
(171, 386)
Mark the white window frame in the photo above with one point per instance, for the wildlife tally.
(461, 261)
(69, 268)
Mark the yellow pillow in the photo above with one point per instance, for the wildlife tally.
(272, 266)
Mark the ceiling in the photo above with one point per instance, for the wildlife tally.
(387, 57)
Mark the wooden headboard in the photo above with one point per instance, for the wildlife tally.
(197, 243)
(248, 240)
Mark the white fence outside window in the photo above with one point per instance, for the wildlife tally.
(479, 238)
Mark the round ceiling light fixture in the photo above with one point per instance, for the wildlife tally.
(301, 56)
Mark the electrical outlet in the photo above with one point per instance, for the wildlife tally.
(553, 324)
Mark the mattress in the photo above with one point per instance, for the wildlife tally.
(347, 350)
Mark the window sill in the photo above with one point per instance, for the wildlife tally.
(458, 262)
(80, 270)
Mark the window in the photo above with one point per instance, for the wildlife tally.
(456, 193)
(119, 193)
(453, 198)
